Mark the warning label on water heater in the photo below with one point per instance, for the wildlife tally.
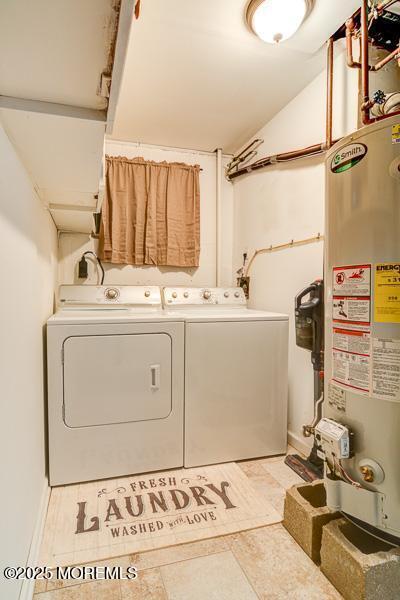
(352, 281)
(351, 334)
(351, 310)
(386, 369)
(351, 359)
(337, 397)
(353, 342)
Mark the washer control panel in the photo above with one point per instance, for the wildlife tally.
(179, 296)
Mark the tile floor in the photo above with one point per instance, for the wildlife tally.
(264, 563)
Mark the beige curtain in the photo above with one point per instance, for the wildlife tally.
(151, 213)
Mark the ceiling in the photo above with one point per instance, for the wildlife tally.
(55, 50)
(53, 54)
(196, 77)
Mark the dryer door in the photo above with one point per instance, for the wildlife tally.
(116, 378)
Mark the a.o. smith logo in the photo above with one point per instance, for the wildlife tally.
(348, 157)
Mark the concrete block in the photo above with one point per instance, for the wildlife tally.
(305, 514)
(359, 565)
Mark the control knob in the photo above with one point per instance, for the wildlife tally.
(111, 293)
(147, 294)
(206, 294)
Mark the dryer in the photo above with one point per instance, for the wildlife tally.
(115, 384)
(236, 376)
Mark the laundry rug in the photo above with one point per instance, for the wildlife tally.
(103, 519)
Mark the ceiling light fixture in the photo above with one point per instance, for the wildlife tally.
(276, 20)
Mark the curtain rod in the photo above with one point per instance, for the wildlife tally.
(110, 141)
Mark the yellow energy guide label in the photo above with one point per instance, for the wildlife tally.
(387, 293)
(396, 134)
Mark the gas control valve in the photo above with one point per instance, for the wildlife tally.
(333, 440)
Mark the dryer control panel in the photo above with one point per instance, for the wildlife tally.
(182, 296)
(95, 295)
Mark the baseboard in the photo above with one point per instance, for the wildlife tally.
(299, 443)
(28, 586)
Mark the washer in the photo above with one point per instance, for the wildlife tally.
(115, 384)
(236, 378)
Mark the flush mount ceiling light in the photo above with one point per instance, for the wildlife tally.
(276, 20)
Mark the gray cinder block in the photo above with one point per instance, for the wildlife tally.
(359, 566)
(305, 514)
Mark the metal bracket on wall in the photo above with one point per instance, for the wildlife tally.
(97, 220)
(243, 157)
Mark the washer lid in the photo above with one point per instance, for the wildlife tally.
(213, 314)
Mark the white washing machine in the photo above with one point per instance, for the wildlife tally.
(236, 376)
(115, 384)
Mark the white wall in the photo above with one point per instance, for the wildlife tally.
(72, 245)
(286, 202)
(28, 275)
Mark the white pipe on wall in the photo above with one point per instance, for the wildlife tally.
(218, 218)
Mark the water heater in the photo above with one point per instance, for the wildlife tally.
(359, 435)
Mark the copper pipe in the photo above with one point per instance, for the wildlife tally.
(367, 103)
(383, 5)
(386, 60)
(314, 150)
(365, 107)
(329, 94)
(350, 26)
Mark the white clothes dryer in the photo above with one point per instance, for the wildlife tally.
(236, 376)
(115, 384)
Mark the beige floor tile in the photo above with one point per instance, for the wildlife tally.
(282, 473)
(275, 496)
(278, 568)
(243, 464)
(256, 471)
(97, 590)
(253, 468)
(149, 584)
(266, 485)
(278, 502)
(40, 586)
(173, 554)
(215, 577)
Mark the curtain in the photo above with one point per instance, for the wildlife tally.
(151, 213)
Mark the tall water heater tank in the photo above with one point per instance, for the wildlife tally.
(360, 433)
